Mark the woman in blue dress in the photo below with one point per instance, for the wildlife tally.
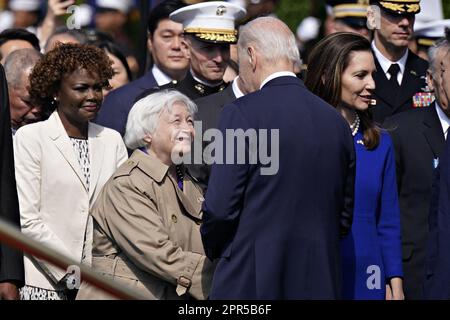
(340, 72)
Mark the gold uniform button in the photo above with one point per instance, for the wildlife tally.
(174, 218)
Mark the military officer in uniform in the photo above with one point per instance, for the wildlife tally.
(209, 29)
(400, 76)
(350, 16)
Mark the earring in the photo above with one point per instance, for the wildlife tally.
(54, 102)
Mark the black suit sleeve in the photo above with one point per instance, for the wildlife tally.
(11, 261)
(346, 217)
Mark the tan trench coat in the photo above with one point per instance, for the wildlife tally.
(147, 233)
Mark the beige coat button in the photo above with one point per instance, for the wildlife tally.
(174, 218)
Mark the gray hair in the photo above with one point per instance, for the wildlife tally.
(273, 43)
(442, 44)
(18, 63)
(144, 115)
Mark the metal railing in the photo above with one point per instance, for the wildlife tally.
(11, 236)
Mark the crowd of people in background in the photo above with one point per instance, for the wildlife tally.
(357, 111)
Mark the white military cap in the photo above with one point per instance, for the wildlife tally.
(120, 5)
(429, 33)
(25, 5)
(212, 21)
(431, 11)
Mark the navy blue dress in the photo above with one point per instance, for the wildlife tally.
(372, 250)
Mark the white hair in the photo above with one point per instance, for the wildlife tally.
(442, 44)
(273, 43)
(144, 115)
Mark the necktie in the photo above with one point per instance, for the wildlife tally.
(393, 70)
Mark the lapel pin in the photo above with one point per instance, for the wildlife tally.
(413, 73)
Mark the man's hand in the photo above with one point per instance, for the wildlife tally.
(9, 291)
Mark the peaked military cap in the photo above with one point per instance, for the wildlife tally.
(352, 12)
(398, 7)
(212, 21)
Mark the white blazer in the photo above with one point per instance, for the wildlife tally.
(53, 199)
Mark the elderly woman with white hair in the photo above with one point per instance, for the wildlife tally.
(147, 217)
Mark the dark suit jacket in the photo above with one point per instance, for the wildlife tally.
(418, 140)
(118, 103)
(11, 261)
(390, 100)
(278, 236)
(437, 278)
(209, 109)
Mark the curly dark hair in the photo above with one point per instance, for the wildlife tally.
(47, 74)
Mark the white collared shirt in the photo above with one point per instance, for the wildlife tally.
(236, 90)
(160, 77)
(445, 121)
(277, 75)
(386, 63)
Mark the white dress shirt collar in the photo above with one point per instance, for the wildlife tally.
(445, 121)
(277, 75)
(236, 90)
(160, 77)
(386, 63)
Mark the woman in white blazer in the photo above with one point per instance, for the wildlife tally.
(62, 163)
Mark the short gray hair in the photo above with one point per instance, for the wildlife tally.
(144, 115)
(442, 44)
(273, 43)
(17, 63)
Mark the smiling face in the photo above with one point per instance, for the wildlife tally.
(357, 83)
(173, 135)
(208, 60)
(80, 97)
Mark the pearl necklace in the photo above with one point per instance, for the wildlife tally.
(355, 125)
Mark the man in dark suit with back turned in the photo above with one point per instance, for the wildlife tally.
(170, 63)
(400, 73)
(11, 261)
(277, 233)
(419, 139)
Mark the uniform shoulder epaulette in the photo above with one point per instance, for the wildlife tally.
(126, 168)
